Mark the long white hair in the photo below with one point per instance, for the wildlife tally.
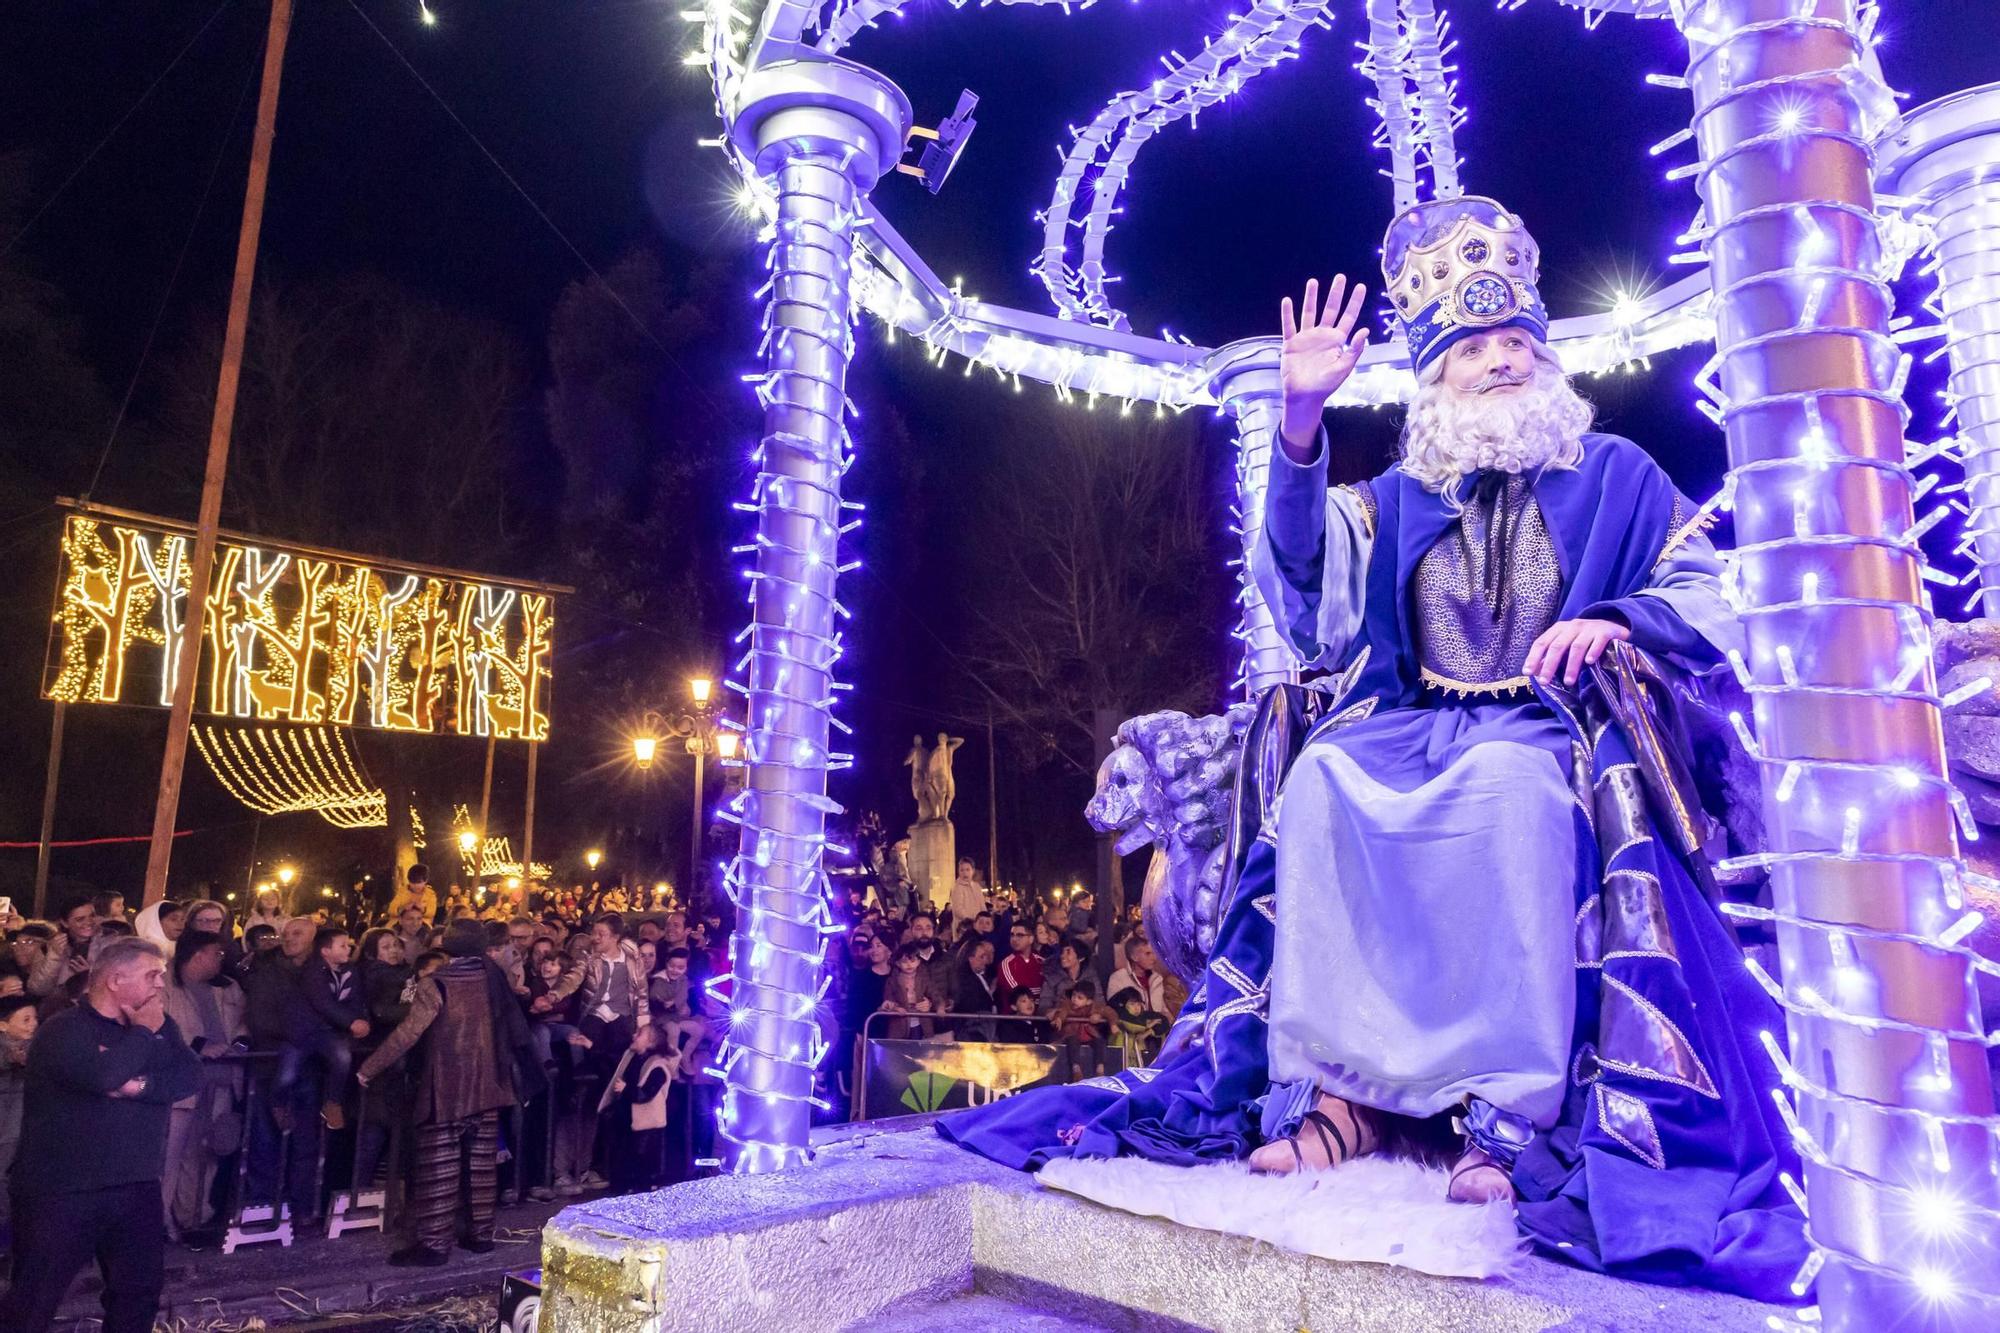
(1447, 435)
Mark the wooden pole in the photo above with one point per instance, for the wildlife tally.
(48, 813)
(528, 818)
(1104, 727)
(187, 658)
(485, 807)
(250, 875)
(992, 810)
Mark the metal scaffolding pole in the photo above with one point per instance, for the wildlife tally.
(1887, 1067)
(1244, 376)
(820, 132)
(1948, 155)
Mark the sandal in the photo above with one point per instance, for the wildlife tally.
(1333, 1140)
(1473, 1159)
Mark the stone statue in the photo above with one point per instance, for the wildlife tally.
(1967, 654)
(932, 842)
(939, 784)
(917, 761)
(1167, 781)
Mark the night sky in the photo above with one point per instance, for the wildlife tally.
(587, 104)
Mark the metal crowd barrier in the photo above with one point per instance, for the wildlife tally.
(1041, 1023)
(362, 1205)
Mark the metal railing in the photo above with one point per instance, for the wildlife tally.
(1041, 1022)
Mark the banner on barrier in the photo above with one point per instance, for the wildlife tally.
(911, 1077)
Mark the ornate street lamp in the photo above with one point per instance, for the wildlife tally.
(701, 735)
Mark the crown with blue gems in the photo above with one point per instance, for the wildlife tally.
(1456, 267)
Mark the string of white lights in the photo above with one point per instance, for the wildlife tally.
(1887, 1066)
(1244, 377)
(841, 21)
(1415, 99)
(1082, 361)
(1099, 160)
(1941, 158)
(1438, 113)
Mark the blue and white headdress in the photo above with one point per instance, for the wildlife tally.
(1461, 266)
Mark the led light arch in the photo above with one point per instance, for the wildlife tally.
(1789, 258)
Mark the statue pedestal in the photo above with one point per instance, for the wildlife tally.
(933, 860)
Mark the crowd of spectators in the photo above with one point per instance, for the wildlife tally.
(443, 1047)
(992, 967)
(313, 1033)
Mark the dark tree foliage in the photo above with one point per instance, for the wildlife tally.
(369, 418)
(54, 414)
(1101, 581)
(652, 432)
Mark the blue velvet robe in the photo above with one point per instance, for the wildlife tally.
(1664, 1164)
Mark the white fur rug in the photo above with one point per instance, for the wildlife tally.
(1372, 1210)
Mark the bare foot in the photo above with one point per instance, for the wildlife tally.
(1333, 1132)
(1477, 1178)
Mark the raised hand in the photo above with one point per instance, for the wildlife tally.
(1319, 352)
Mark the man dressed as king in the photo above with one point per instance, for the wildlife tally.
(1476, 921)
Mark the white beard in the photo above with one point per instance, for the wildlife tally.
(1448, 435)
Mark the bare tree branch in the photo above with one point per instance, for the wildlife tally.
(1103, 584)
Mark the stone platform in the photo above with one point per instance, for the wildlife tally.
(895, 1229)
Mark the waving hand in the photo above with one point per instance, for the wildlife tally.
(1319, 352)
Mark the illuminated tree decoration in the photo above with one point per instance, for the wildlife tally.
(300, 637)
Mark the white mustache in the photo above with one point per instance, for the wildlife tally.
(1499, 379)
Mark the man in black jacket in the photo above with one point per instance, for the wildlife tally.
(937, 961)
(102, 1081)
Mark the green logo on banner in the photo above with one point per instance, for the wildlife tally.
(927, 1091)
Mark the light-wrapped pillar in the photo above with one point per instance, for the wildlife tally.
(1948, 155)
(1887, 1068)
(1243, 376)
(820, 132)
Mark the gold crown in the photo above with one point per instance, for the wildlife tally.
(1438, 263)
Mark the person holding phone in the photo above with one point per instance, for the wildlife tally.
(66, 963)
